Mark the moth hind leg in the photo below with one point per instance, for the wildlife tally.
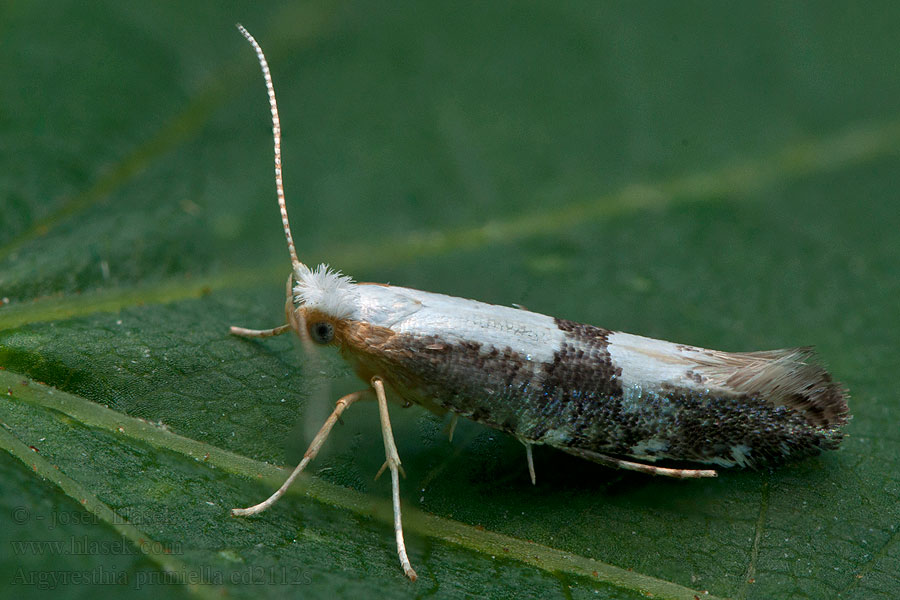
(640, 467)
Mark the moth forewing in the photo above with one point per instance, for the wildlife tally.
(618, 399)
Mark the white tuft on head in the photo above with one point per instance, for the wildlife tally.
(325, 290)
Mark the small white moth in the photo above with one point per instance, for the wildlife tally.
(599, 394)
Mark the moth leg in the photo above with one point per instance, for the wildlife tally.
(530, 462)
(259, 333)
(310, 454)
(609, 461)
(393, 463)
(264, 333)
(452, 428)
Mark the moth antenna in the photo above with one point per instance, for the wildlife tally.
(276, 134)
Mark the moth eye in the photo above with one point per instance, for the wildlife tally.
(322, 332)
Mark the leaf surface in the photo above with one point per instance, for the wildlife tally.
(724, 177)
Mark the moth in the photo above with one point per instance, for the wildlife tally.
(614, 398)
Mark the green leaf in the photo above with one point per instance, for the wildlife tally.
(724, 176)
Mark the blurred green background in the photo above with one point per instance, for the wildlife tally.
(719, 174)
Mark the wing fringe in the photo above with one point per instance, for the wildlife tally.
(791, 377)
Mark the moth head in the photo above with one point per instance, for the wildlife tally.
(320, 303)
